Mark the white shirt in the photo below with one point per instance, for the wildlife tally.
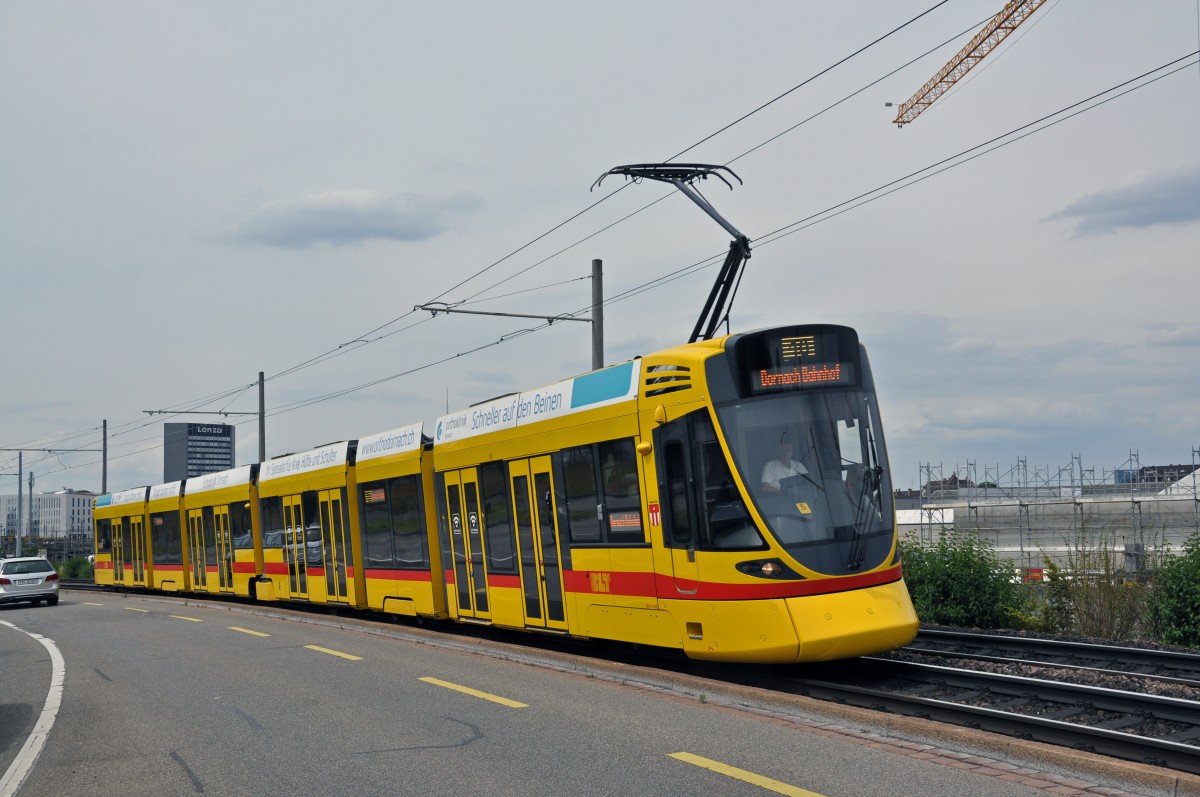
(775, 470)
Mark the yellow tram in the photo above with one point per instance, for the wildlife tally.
(220, 552)
(630, 504)
(120, 538)
(729, 498)
(309, 530)
(400, 549)
(163, 550)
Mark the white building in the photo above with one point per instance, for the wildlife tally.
(53, 515)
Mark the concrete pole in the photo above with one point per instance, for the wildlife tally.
(262, 419)
(597, 315)
(20, 476)
(104, 462)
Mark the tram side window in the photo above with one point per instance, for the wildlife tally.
(493, 484)
(603, 497)
(622, 498)
(678, 497)
(394, 523)
(103, 535)
(210, 535)
(408, 523)
(164, 538)
(126, 539)
(725, 524)
(312, 515)
(240, 527)
(579, 472)
(271, 513)
(377, 524)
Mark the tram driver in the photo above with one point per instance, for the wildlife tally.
(781, 468)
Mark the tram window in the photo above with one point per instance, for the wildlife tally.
(271, 515)
(493, 484)
(377, 525)
(210, 536)
(165, 539)
(311, 506)
(622, 498)
(393, 523)
(579, 471)
(103, 535)
(725, 524)
(408, 522)
(678, 498)
(240, 528)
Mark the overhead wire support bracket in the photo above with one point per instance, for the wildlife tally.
(441, 307)
(682, 175)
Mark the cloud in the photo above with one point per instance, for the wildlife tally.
(347, 218)
(1170, 197)
(1173, 335)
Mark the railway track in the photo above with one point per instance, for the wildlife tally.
(1165, 666)
(1131, 704)
(1133, 726)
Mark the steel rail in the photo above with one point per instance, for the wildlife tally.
(1009, 693)
(1164, 665)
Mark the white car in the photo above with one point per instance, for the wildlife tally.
(28, 578)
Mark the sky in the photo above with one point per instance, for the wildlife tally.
(192, 193)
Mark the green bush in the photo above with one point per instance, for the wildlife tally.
(1175, 606)
(1097, 595)
(77, 567)
(957, 580)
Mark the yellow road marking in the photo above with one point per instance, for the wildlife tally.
(131, 609)
(333, 652)
(247, 631)
(466, 690)
(748, 777)
(189, 619)
(89, 603)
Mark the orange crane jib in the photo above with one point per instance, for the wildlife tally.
(1004, 23)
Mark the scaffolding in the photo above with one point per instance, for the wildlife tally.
(1031, 516)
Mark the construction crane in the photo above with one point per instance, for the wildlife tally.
(1013, 14)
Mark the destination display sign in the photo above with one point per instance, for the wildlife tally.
(823, 374)
(797, 358)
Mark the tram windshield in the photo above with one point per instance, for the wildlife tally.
(814, 465)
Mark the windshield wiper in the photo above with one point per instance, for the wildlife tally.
(868, 502)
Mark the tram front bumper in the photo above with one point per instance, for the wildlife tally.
(860, 622)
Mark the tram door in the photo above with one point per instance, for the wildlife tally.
(195, 548)
(333, 533)
(676, 489)
(118, 551)
(466, 540)
(537, 539)
(221, 547)
(295, 545)
(136, 550)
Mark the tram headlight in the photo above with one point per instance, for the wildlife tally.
(767, 568)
